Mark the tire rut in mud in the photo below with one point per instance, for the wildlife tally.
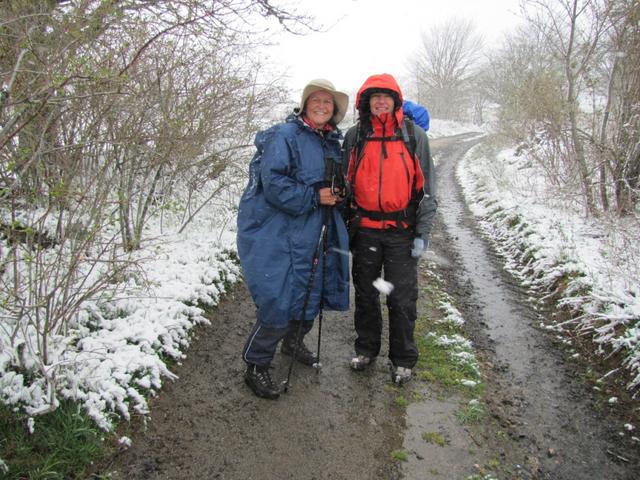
(552, 423)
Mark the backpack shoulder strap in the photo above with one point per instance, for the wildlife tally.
(409, 136)
(360, 141)
(358, 146)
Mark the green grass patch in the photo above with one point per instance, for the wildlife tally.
(471, 413)
(450, 364)
(399, 455)
(435, 438)
(591, 376)
(63, 444)
(401, 401)
(417, 396)
(447, 358)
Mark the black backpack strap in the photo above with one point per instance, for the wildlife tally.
(409, 136)
(406, 216)
(358, 147)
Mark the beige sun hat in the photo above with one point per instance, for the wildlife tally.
(341, 99)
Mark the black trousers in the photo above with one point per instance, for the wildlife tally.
(389, 250)
(260, 347)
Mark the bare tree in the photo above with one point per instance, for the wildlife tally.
(109, 112)
(444, 66)
(523, 80)
(558, 85)
(526, 84)
(574, 31)
(618, 137)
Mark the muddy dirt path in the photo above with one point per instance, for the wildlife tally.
(208, 425)
(342, 425)
(560, 428)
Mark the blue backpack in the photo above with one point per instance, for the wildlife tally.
(417, 113)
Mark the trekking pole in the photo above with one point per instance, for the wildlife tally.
(307, 295)
(338, 187)
(318, 365)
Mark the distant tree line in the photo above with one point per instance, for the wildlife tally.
(565, 85)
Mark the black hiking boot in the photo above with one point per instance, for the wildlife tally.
(259, 381)
(302, 353)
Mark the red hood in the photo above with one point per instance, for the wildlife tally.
(382, 81)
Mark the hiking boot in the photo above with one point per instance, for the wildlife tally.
(302, 353)
(400, 375)
(360, 362)
(259, 381)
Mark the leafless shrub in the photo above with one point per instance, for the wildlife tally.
(109, 113)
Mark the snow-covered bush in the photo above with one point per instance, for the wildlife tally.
(590, 266)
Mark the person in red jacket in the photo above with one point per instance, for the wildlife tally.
(393, 204)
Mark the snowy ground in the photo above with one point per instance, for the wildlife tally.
(544, 242)
(120, 361)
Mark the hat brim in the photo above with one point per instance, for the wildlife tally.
(341, 100)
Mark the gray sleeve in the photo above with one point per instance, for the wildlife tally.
(429, 203)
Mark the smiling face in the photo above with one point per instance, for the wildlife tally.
(381, 103)
(319, 108)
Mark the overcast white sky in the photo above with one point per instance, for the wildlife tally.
(364, 37)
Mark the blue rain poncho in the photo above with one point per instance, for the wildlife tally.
(280, 221)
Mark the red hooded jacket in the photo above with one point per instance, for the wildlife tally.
(385, 178)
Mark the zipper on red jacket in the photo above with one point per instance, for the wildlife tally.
(381, 157)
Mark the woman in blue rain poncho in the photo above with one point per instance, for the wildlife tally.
(280, 218)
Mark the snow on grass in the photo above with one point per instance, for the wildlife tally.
(459, 350)
(451, 314)
(114, 354)
(548, 244)
(125, 442)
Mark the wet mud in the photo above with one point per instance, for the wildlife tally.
(557, 424)
(331, 424)
(342, 425)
